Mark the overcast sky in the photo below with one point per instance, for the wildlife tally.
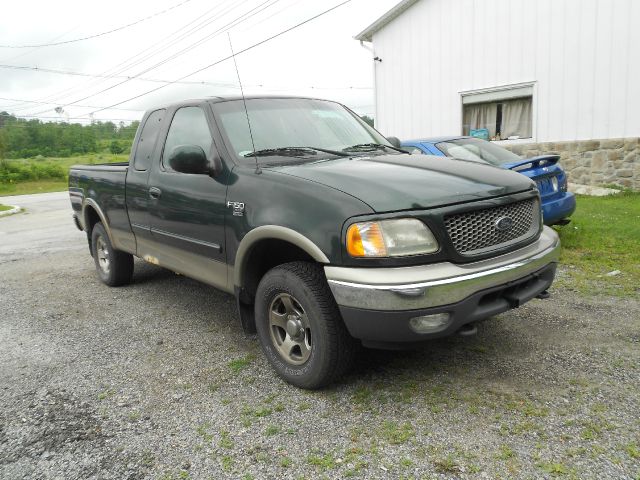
(318, 59)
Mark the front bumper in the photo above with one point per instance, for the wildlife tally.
(377, 303)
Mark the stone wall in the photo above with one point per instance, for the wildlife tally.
(593, 162)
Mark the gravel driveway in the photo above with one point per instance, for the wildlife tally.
(157, 380)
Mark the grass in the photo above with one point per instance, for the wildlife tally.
(554, 468)
(43, 175)
(239, 364)
(397, 434)
(323, 462)
(602, 238)
(446, 465)
(5, 207)
(27, 188)
(225, 440)
(505, 453)
(633, 450)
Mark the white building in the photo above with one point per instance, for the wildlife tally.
(534, 71)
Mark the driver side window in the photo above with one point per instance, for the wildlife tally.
(188, 127)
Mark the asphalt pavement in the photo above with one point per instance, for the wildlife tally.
(45, 226)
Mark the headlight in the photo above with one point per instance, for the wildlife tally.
(554, 183)
(390, 238)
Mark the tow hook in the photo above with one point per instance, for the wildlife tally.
(467, 330)
(543, 295)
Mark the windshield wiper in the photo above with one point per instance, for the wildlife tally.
(293, 152)
(369, 147)
(282, 151)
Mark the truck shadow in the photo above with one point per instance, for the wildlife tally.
(495, 350)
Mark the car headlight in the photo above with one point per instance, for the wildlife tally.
(554, 183)
(390, 238)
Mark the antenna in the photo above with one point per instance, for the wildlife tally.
(246, 112)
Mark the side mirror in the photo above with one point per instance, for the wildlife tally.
(395, 141)
(189, 159)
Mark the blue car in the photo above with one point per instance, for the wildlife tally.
(557, 203)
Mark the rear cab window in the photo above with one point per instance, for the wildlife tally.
(147, 141)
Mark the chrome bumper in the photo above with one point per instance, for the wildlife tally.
(425, 286)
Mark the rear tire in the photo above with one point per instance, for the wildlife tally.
(300, 328)
(114, 267)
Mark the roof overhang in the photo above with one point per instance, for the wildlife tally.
(367, 34)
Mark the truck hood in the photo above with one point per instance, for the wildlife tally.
(407, 182)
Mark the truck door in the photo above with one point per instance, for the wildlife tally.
(187, 211)
(137, 195)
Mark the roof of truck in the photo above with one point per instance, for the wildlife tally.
(226, 98)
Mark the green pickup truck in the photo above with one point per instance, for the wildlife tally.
(328, 235)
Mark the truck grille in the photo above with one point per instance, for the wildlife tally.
(476, 232)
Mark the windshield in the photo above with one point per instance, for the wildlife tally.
(282, 123)
(477, 150)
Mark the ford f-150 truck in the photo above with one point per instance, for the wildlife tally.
(326, 233)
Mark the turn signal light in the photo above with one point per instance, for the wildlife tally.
(365, 240)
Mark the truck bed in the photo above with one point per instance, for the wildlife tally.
(103, 184)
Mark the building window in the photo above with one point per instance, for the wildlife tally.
(504, 114)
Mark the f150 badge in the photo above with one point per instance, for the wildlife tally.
(238, 208)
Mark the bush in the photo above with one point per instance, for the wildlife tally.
(115, 147)
(12, 172)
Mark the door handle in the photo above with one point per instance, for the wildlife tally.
(155, 192)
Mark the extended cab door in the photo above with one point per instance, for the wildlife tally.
(144, 156)
(187, 211)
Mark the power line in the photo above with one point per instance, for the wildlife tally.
(156, 80)
(229, 25)
(29, 52)
(36, 117)
(61, 105)
(99, 34)
(97, 75)
(226, 58)
(188, 48)
(161, 46)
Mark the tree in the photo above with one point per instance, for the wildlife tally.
(30, 138)
(3, 144)
(368, 119)
(115, 147)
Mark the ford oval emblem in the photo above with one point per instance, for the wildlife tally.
(504, 223)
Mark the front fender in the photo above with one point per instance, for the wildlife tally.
(272, 232)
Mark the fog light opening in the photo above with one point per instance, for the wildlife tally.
(429, 323)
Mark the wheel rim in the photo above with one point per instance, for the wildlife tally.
(103, 255)
(289, 328)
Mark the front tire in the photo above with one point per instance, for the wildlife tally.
(300, 328)
(114, 267)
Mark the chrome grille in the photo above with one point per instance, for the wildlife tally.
(475, 232)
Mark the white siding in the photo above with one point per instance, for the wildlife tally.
(582, 55)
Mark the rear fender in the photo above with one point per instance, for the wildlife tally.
(86, 207)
